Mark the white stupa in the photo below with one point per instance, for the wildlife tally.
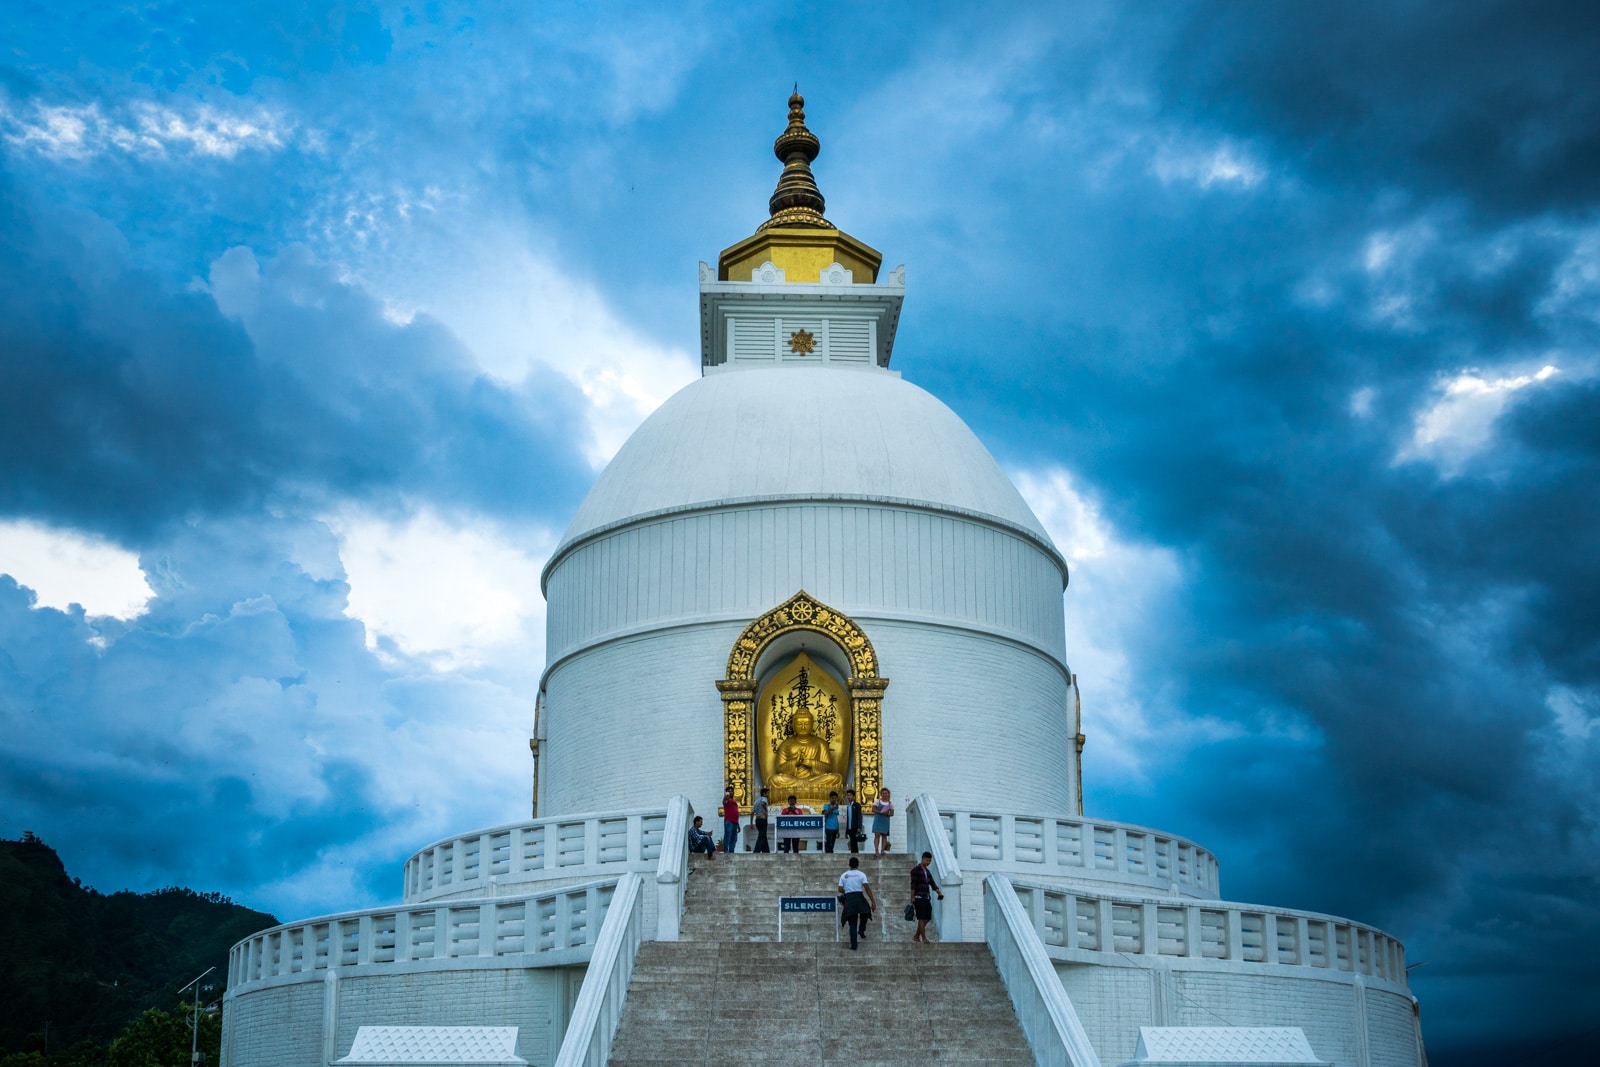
(805, 574)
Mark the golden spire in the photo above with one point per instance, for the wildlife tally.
(797, 201)
(797, 239)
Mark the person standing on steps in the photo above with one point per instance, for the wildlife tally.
(730, 821)
(853, 832)
(859, 900)
(790, 844)
(830, 822)
(759, 814)
(922, 885)
(882, 812)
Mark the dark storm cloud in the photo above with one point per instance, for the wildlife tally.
(1377, 695)
(123, 404)
(1492, 101)
(1390, 634)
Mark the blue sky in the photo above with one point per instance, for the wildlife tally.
(317, 322)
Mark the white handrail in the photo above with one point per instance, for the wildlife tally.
(1087, 926)
(605, 985)
(579, 846)
(925, 833)
(671, 868)
(1049, 1021)
(1073, 847)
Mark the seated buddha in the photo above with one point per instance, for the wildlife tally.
(802, 764)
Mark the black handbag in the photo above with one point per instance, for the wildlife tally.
(911, 913)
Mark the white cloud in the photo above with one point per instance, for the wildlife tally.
(1459, 423)
(515, 309)
(1223, 164)
(146, 130)
(1117, 589)
(454, 593)
(65, 567)
(1361, 401)
(1575, 713)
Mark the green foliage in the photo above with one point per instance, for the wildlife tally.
(85, 968)
(156, 1039)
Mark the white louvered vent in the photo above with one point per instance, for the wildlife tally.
(801, 332)
(752, 340)
(850, 341)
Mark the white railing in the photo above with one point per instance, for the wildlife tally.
(1088, 927)
(925, 833)
(1049, 1021)
(672, 867)
(1076, 848)
(605, 984)
(542, 930)
(576, 847)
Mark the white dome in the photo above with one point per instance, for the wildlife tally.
(788, 433)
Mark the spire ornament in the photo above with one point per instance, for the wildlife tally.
(797, 201)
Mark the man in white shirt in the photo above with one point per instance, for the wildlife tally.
(858, 900)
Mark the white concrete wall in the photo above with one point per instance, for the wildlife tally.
(965, 616)
(287, 1026)
(1113, 1002)
(738, 562)
(634, 720)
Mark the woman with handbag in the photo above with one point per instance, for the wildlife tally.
(882, 812)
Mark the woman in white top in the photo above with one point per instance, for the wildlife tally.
(859, 900)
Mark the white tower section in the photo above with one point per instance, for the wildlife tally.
(784, 469)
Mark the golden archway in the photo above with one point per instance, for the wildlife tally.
(801, 612)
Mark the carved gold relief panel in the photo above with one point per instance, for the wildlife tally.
(806, 754)
(804, 732)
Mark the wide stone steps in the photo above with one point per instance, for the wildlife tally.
(805, 1004)
(729, 993)
(736, 899)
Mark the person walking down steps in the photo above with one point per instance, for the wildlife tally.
(859, 900)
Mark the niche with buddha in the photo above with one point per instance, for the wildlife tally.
(803, 732)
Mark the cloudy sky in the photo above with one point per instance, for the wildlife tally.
(317, 322)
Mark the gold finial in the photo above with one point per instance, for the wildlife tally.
(797, 201)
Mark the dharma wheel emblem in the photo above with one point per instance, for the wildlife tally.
(803, 342)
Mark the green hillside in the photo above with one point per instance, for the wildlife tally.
(83, 965)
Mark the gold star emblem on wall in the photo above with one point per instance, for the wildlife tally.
(803, 342)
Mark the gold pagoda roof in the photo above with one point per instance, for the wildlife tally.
(798, 237)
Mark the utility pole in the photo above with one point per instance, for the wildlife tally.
(194, 1018)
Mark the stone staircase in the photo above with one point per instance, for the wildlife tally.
(730, 993)
(737, 899)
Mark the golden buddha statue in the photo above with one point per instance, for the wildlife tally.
(803, 732)
(803, 764)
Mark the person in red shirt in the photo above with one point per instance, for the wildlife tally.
(790, 844)
(730, 821)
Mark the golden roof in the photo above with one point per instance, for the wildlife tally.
(797, 238)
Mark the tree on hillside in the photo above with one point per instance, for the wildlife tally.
(160, 1039)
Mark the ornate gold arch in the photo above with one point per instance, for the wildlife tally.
(801, 612)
